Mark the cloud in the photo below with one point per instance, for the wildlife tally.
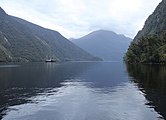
(75, 18)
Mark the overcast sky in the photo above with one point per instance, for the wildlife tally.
(75, 18)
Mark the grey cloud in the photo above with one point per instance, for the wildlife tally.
(74, 18)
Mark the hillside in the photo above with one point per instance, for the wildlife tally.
(23, 41)
(104, 44)
(149, 45)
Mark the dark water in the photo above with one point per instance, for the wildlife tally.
(82, 91)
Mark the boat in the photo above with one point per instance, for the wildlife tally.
(50, 60)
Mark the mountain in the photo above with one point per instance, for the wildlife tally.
(21, 40)
(156, 22)
(149, 45)
(104, 44)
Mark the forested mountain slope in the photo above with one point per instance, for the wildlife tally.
(149, 45)
(21, 40)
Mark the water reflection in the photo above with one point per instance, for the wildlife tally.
(71, 91)
(20, 82)
(151, 80)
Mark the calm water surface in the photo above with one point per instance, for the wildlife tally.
(82, 91)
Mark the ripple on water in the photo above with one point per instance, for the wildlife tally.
(9, 66)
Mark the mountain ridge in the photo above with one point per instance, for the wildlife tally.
(2, 11)
(104, 44)
(149, 45)
(21, 40)
(155, 23)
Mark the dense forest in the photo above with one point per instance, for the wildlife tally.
(148, 49)
(149, 45)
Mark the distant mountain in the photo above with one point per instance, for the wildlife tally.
(104, 44)
(24, 41)
(149, 45)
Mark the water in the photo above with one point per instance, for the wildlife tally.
(82, 91)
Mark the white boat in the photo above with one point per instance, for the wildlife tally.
(50, 60)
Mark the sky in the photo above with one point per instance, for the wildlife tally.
(76, 18)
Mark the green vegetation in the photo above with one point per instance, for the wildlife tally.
(22, 41)
(149, 45)
(149, 49)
